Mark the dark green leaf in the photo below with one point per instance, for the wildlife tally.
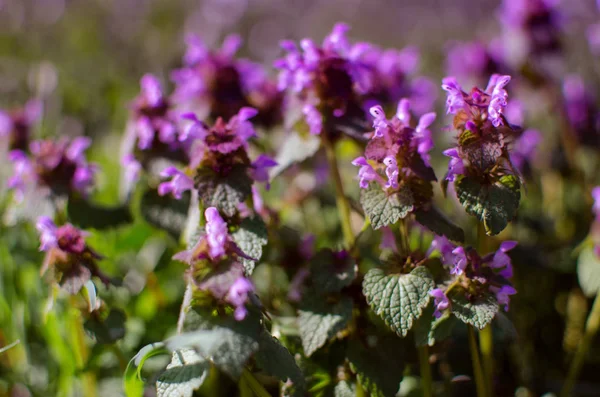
(435, 221)
(276, 360)
(494, 205)
(478, 312)
(251, 237)
(86, 215)
(430, 330)
(186, 373)
(319, 321)
(398, 299)
(109, 329)
(383, 209)
(165, 212)
(588, 271)
(223, 192)
(330, 273)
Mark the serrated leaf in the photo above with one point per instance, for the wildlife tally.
(276, 360)
(186, 373)
(87, 215)
(331, 273)
(383, 209)
(588, 272)
(430, 330)
(435, 221)
(479, 312)
(344, 389)
(165, 212)
(379, 368)
(224, 192)
(399, 299)
(294, 149)
(133, 384)
(251, 237)
(319, 321)
(227, 345)
(494, 205)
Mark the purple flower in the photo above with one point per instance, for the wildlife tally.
(260, 169)
(444, 246)
(380, 123)
(499, 98)
(313, 118)
(132, 167)
(440, 301)
(455, 166)
(67, 237)
(459, 261)
(455, 98)
(179, 183)
(593, 37)
(467, 60)
(391, 171)
(525, 147)
(238, 295)
(23, 172)
(366, 173)
(47, 230)
(388, 240)
(503, 294)
(596, 196)
(502, 261)
(216, 232)
(16, 124)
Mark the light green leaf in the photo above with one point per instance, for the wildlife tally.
(251, 237)
(319, 321)
(133, 384)
(186, 373)
(494, 205)
(223, 192)
(383, 209)
(588, 271)
(479, 312)
(276, 360)
(399, 299)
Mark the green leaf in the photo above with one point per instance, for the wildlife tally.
(435, 221)
(109, 329)
(379, 368)
(430, 330)
(588, 271)
(294, 149)
(276, 360)
(495, 205)
(383, 209)
(330, 273)
(399, 299)
(251, 237)
(165, 212)
(133, 384)
(186, 373)
(344, 389)
(223, 192)
(319, 321)
(478, 312)
(86, 215)
(227, 345)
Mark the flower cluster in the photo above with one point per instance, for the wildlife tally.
(59, 166)
(581, 111)
(215, 265)
(397, 155)
(16, 124)
(472, 275)
(70, 259)
(483, 131)
(338, 81)
(216, 84)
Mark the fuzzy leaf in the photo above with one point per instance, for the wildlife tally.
(133, 384)
(435, 221)
(384, 209)
(344, 389)
(250, 237)
(319, 321)
(331, 274)
(379, 368)
(399, 299)
(494, 205)
(294, 149)
(588, 272)
(430, 330)
(186, 373)
(479, 312)
(223, 192)
(276, 360)
(166, 212)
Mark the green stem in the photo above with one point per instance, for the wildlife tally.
(486, 345)
(360, 392)
(477, 371)
(340, 197)
(426, 378)
(254, 385)
(591, 328)
(81, 352)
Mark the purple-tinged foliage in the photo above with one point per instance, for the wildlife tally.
(58, 166)
(216, 84)
(69, 259)
(16, 125)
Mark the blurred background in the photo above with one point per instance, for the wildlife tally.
(84, 59)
